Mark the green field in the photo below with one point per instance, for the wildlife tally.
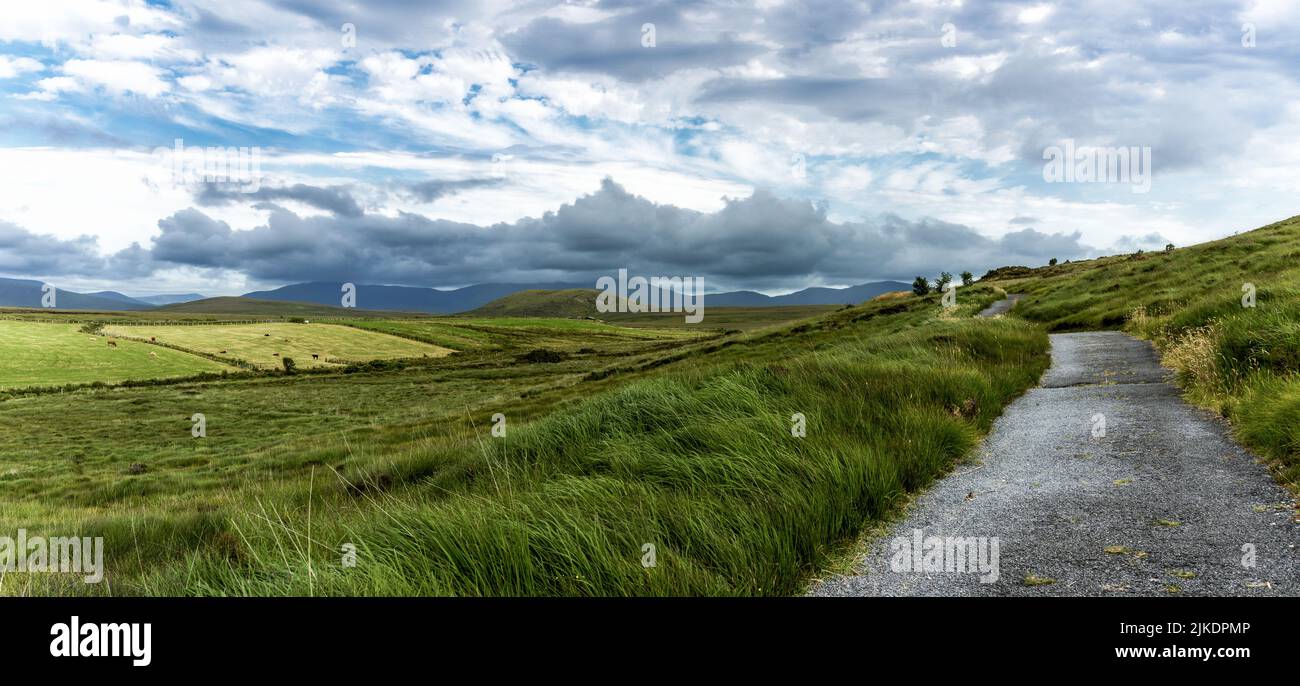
(622, 433)
(46, 354)
(469, 333)
(738, 318)
(258, 344)
(616, 437)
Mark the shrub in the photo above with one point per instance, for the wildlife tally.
(541, 355)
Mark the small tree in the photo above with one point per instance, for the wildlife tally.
(967, 278)
(1051, 262)
(920, 286)
(941, 285)
(289, 365)
(1169, 247)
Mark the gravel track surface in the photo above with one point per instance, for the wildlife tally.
(1165, 502)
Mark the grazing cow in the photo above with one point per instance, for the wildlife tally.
(223, 352)
(314, 356)
(275, 354)
(153, 340)
(267, 335)
(112, 344)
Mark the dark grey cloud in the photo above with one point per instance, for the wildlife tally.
(428, 191)
(614, 46)
(336, 199)
(24, 253)
(760, 242)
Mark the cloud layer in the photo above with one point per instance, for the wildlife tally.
(761, 242)
(450, 142)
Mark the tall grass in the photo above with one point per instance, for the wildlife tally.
(702, 465)
(689, 450)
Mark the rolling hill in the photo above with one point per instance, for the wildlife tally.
(573, 302)
(402, 298)
(170, 298)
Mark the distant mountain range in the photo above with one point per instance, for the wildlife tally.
(409, 299)
(27, 293)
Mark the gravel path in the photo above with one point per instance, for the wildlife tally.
(1002, 306)
(1163, 503)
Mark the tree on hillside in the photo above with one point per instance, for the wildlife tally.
(945, 278)
(967, 278)
(1051, 262)
(920, 286)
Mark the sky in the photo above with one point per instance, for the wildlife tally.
(768, 145)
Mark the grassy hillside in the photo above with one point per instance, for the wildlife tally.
(683, 443)
(575, 302)
(1240, 361)
(40, 354)
(723, 318)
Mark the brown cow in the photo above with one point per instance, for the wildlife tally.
(112, 344)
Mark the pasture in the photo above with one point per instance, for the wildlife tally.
(264, 345)
(50, 354)
(469, 333)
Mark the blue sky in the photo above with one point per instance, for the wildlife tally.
(768, 145)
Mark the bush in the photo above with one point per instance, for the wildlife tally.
(541, 355)
(289, 365)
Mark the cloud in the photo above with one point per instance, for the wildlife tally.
(621, 45)
(336, 199)
(760, 242)
(429, 191)
(115, 77)
(23, 253)
(887, 117)
(17, 66)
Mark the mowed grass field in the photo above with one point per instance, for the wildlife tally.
(259, 344)
(51, 354)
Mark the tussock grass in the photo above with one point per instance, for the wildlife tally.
(694, 456)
